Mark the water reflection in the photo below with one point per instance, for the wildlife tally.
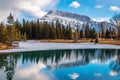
(70, 58)
(8, 62)
(115, 64)
(42, 63)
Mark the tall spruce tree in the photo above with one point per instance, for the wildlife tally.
(10, 21)
(87, 31)
(1, 32)
(81, 33)
(58, 29)
(102, 30)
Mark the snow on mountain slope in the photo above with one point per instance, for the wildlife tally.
(75, 20)
(52, 14)
(97, 25)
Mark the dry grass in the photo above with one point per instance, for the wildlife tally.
(4, 46)
(58, 41)
(66, 41)
(114, 42)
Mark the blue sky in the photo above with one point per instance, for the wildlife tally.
(99, 10)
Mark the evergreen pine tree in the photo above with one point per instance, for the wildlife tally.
(81, 33)
(10, 21)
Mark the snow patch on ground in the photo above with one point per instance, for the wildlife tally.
(37, 46)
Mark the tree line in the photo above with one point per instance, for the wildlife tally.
(15, 30)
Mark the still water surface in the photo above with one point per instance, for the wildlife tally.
(82, 64)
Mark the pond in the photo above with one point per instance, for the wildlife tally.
(76, 64)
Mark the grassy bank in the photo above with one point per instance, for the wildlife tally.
(65, 41)
(4, 46)
(113, 42)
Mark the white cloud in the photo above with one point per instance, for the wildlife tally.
(2, 76)
(99, 6)
(113, 73)
(33, 72)
(101, 19)
(115, 8)
(20, 8)
(73, 76)
(75, 4)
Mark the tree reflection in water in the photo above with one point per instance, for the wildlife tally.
(115, 64)
(69, 58)
(57, 59)
(8, 62)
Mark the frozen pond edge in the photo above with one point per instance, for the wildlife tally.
(38, 46)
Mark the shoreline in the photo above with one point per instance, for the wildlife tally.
(40, 46)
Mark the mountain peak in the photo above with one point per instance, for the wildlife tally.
(56, 14)
(51, 12)
(74, 20)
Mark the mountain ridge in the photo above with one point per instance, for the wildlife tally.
(75, 20)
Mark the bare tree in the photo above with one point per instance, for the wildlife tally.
(116, 21)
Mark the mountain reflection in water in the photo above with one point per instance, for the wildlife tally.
(50, 63)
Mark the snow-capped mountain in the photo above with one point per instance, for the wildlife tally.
(65, 16)
(75, 20)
